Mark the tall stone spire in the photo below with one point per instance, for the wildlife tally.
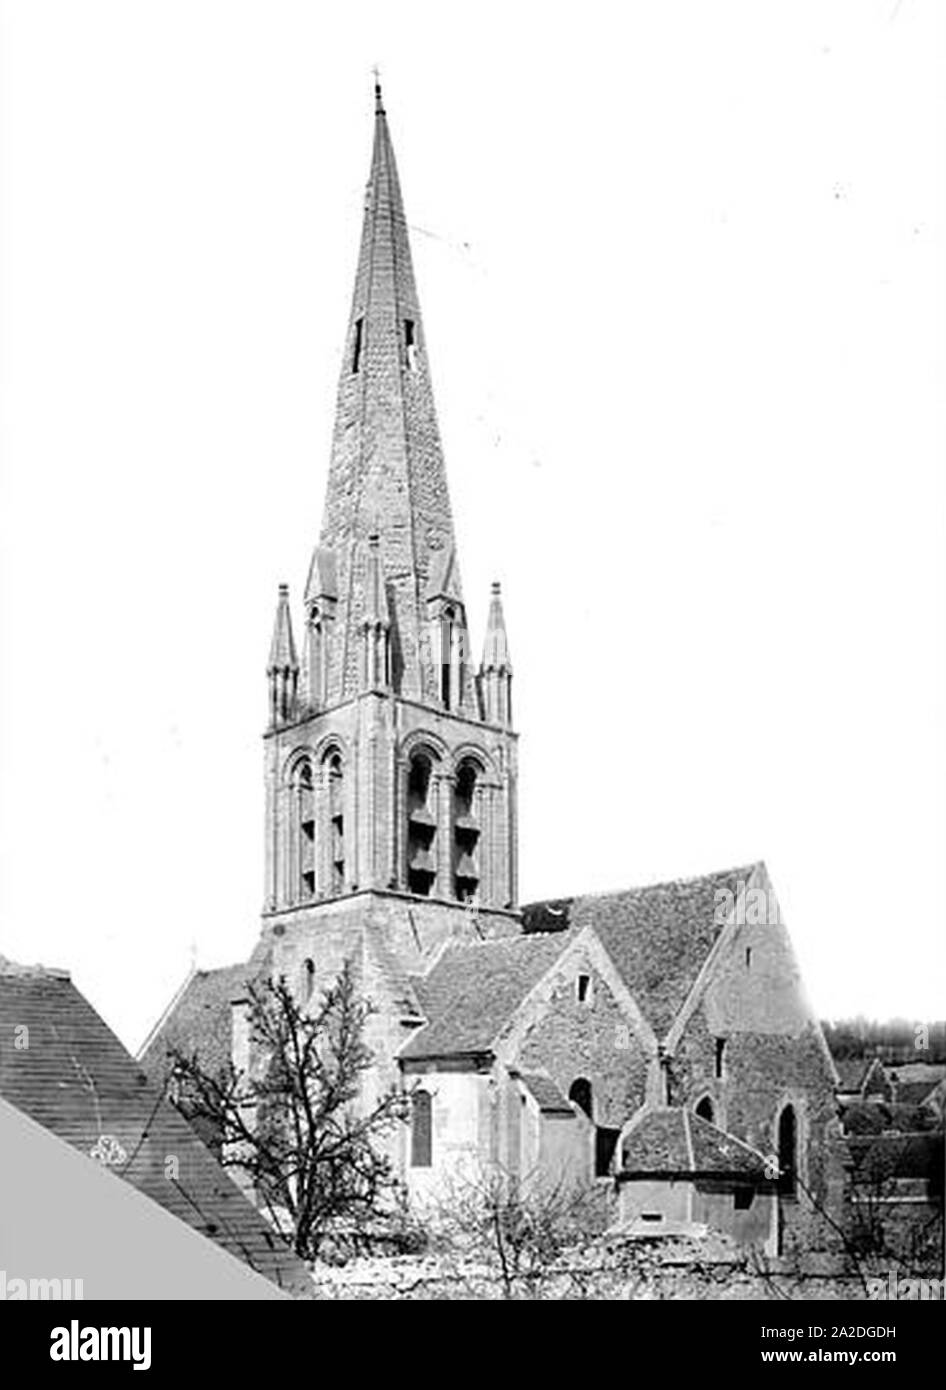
(496, 667)
(283, 665)
(391, 761)
(387, 473)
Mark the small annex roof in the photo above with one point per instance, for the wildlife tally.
(673, 1141)
(546, 1094)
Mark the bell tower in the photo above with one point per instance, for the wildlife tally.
(390, 755)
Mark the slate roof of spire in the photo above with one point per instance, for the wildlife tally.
(387, 470)
(496, 644)
(282, 649)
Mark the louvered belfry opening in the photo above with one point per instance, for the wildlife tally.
(336, 810)
(421, 827)
(306, 799)
(466, 835)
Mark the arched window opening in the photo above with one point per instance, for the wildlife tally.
(466, 835)
(450, 676)
(307, 980)
(336, 815)
(704, 1109)
(305, 810)
(421, 1129)
(579, 1093)
(410, 345)
(421, 827)
(787, 1153)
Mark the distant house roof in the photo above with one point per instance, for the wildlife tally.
(473, 991)
(197, 1021)
(880, 1157)
(546, 1094)
(915, 1081)
(71, 1074)
(851, 1072)
(876, 1080)
(658, 937)
(672, 1141)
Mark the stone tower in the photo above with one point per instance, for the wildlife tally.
(390, 758)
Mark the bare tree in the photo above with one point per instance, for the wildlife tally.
(522, 1235)
(297, 1124)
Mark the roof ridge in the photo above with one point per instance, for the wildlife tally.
(36, 971)
(692, 879)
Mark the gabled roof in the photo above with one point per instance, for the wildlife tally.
(851, 1072)
(672, 1141)
(473, 990)
(658, 937)
(199, 1021)
(76, 1079)
(915, 1081)
(546, 1094)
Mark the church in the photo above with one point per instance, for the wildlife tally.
(656, 1040)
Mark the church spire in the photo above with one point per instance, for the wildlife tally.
(283, 666)
(496, 667)
(387, 470)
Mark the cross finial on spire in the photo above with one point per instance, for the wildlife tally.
(378, 103)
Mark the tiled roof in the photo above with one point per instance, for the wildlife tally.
(75, 1078)
(852, 1071)
(882, 1156)
(916, 1080)
(198, 1021)
(671, 1140)
(474, 989)
(658, 937)
(546, 1094)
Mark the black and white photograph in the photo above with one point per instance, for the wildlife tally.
(473, 649)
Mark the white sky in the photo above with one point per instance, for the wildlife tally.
(684, 286)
